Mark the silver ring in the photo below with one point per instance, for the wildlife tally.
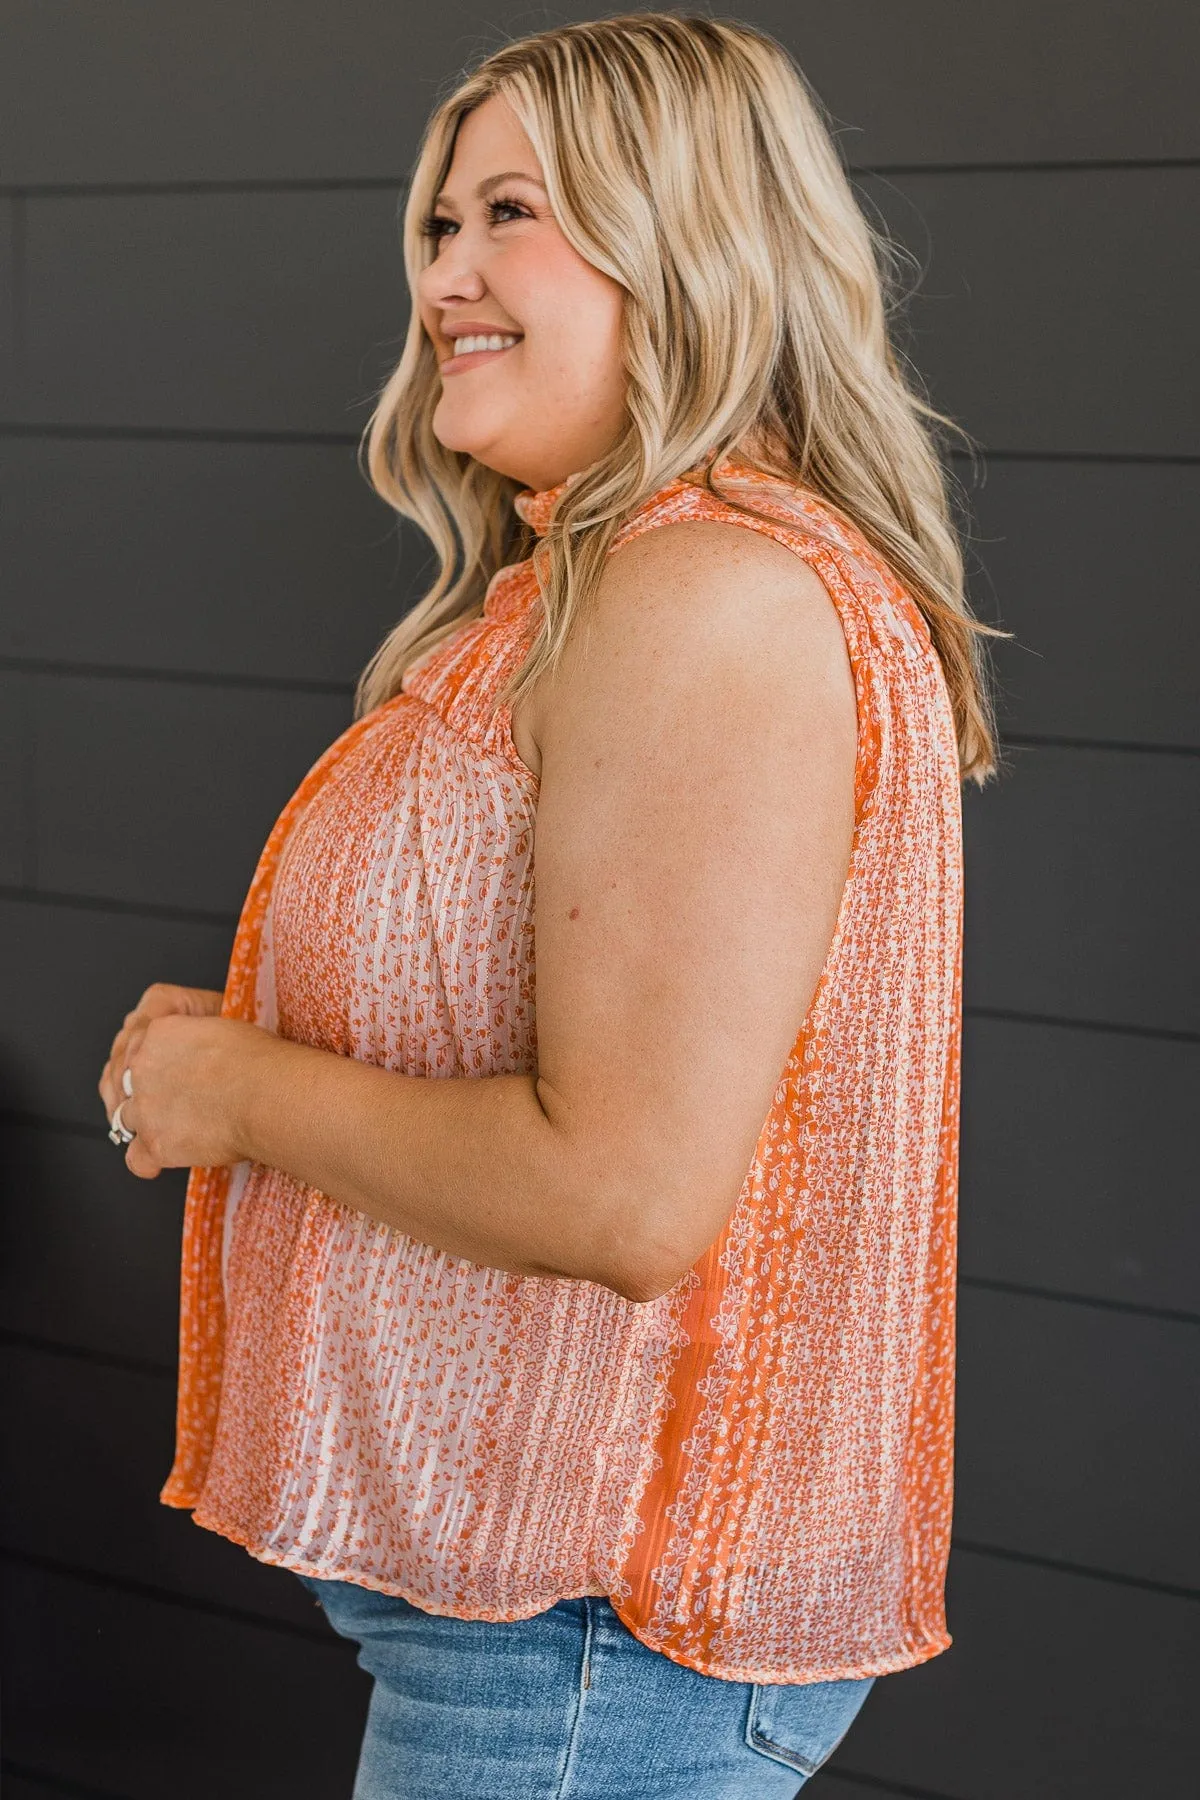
(127, 1084)
(118, 1131)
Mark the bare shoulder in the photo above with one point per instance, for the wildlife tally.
(701, 603)
(730, 569)
(699, 613)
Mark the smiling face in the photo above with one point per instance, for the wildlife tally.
(555, 401)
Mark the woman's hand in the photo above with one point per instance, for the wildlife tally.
(159, 1000)
(186, 1067)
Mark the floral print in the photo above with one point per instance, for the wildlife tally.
(757, 1467)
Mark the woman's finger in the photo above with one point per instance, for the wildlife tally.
(139, 1161)
(134, 1039)
(107, 1088)
(159, 998)
(163, 998)
(118, 1061)
(159, 1001)
(126, 1045)
(110, 1076)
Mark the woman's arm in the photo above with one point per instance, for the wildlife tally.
(692, 842)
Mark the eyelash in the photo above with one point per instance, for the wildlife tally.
(434, 225)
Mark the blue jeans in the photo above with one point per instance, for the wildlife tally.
(568, 1705)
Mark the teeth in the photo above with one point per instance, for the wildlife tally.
(464, 345)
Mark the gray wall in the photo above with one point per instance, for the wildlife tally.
(201, 284)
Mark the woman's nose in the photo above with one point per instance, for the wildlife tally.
(453, 274)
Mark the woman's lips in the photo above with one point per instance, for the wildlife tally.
(458, 365)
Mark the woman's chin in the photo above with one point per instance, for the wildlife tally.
(467, 436)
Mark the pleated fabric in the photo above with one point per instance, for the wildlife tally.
(757, 1467)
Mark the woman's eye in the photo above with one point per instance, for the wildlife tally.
(495, 206)
(436, 227)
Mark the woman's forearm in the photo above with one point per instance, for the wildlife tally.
(472, 1166)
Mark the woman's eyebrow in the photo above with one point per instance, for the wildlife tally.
(491, 181)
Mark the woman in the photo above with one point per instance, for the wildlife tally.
(594, 1367)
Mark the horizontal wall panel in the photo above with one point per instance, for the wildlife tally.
(232, 311)
(10, 213)
(143, 1699)
(163, 793)
(1092, 566)
(936, 81)
(162, 1700)
(69, 975)
(1006, 325)
(1081, 883)
(272, 560)
(1055, 1685)
(1078, 1148)
(89, 1254)
(73, 1429)
(300, 91)
(293, 307)
(1068, 1439)
(30, 1786)
(827, 1784)
(293, 570)
(16, 772)
(221, 92)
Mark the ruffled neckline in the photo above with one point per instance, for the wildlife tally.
(536, 506)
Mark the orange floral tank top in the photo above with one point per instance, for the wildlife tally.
(756, 1467)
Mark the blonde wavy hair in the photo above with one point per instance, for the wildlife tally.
(764, 321)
